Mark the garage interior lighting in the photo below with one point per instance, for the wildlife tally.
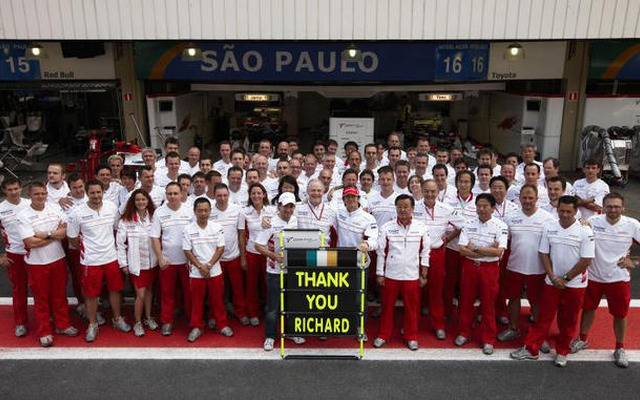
(191, 52)
(352, 53)
(514, 52)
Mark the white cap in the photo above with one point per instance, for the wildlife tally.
(287, 198)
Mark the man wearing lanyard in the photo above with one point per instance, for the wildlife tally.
(566, 248)
(504, 208)
(13, 259)
(437, 216)
(482, 242)
(403, 262)
(314, 214)
(231, 218)
(465, 209)
(167, 225)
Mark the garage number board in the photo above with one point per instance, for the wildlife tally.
(462, 61)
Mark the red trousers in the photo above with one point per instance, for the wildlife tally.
(233, 271)
(479, 279)
(410, 291)
(256, 281)
(48, 284)
(435, 285)
(452, 278)
(501, 300)
(73, 263)
(17, 271)
(567, 303)
(198, 288)
(168, 279)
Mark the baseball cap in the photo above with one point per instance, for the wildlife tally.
(287, 198)
(350, 190)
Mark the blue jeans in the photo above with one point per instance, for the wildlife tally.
(273, 306)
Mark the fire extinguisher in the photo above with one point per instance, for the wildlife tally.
(93, 155)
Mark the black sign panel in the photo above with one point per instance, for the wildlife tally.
(323, 302)
(321, 324)
(324, 278)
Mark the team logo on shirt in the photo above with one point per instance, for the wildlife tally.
(394, 231)
(517, 221)
(473, 229)
(87, 217)
(598, 229)
(165, 217)
(194, 234)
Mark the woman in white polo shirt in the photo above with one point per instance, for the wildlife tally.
(136, 256)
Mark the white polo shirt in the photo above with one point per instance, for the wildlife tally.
(222, 167)
(612, 242)
(270, 239)
(95, 230)
(203, 243)
(543, 195)
(357, 227)
(54, 195)
(112, 193)
(271, 185)
(553, 210)
(383, 209)
(464, 210)
(520, 172)
(253, 224)
(169, 225)
(240, 197)
(10, 227)
(525, 232)
(231, 220)
(565, 248)
(322, 217)
(437, 220)
(47, 220)
(484, 234)
(505, 210)
(157, 194)
(401, 248)
(584, 190)
(447, 195)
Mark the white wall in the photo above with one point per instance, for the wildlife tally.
(318, 19)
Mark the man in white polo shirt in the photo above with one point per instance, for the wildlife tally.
(171, 171)
(203, 244)
(238, 191)
(402, 266)
(609, 273)
(42, 227)
(438, 217)
(524, 266)
(315, 214)
(590, 190)
(111, 188)
(566, 248)
(13, 259)
(167, 225)
(57, 188)
(90, 229)
(224, 163)
(482, 242)
(231, 218)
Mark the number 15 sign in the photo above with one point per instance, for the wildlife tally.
(14, 65)
(462, 61)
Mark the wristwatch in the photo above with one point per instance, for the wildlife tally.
(49, 233)
(566, 277)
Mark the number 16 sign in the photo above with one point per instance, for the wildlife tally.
(462, 61)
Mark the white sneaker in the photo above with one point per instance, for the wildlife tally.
(296, 339)
(578, 344)
(461, 341)
(379, 342)
(92, 333)
(138, 330)
(268, 344)
(561, 361)
(151, 323)
(21, 330)
(620, 357)
(226, 331)
(120, 324)
(194, 335)
(46, 341)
